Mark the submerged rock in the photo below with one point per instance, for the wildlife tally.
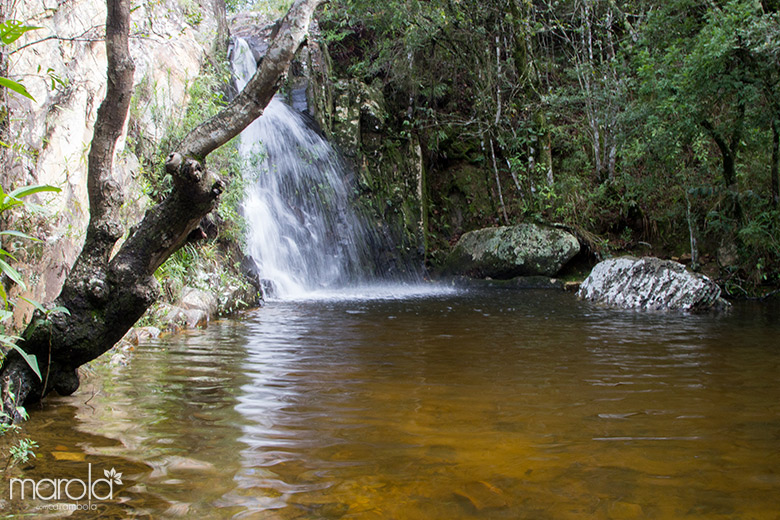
(510, 251)
(650, 284)
(481, 496)
(519, 282)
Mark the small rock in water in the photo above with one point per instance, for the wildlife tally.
(625, 511)
(482, 495)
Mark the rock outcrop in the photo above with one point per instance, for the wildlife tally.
(650, 284)
(51, 135)
(509, 251)
(390, 183)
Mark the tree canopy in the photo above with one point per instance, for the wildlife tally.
(647, 122)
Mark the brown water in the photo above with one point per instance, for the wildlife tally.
(484, 405)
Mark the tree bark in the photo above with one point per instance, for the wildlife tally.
(103, 295)
(221, 40)
(728, 150)
(773, 171)
(498, 183)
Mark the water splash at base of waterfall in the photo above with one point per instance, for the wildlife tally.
(304, 234)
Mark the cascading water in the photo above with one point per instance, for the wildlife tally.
(303, 233)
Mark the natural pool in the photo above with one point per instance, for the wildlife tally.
(480, 404)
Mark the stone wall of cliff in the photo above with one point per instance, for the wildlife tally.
(63, 65)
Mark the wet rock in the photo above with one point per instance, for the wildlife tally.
(650, 284)
(482, 496)
(174, 318)
(140, 334)
(519, 282)
(196, 299)
(256, 28)
(510, 251)
(119, 359)
(268, 288)
(234, 297)
(625, 511)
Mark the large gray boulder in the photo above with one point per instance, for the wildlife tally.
(509, 251)
(650, 284)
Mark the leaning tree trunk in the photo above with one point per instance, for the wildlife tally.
(104, 295)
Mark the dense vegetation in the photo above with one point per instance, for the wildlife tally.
(645, 127)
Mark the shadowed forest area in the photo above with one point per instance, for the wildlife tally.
(643, 126)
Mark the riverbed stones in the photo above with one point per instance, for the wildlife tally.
(509, 251)
(518, 282)
(650, 284)
(481, 496)
(197, 299)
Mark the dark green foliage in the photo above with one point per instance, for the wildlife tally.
(635, 121)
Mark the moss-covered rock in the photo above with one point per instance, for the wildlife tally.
(509, 251)
(459, 200)
(388, 166)
(345, 126)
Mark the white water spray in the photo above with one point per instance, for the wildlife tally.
(303, 233)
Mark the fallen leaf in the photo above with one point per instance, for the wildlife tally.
(68, 455)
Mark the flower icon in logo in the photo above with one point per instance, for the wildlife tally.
(113, 475)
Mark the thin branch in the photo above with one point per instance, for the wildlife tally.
(79, 38)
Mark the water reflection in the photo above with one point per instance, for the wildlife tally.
(481, 405)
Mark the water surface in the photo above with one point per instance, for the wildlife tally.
(504, 404)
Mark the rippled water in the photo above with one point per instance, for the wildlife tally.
(485, 405)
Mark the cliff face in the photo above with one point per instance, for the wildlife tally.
(63, 65)
(388, 161)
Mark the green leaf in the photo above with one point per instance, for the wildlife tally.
(24, 191)
(12, 30)
(17, 234)
(12, 273)
(36, 305)
(60, 309)
(31, 360)
(9, 341)
(16, 87)
(3, 252)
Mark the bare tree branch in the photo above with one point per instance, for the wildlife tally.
(251, 102)
(79, 38)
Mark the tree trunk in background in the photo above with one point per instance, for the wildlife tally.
(223, 31)
(774, 174)
(498, 183)
(105, 296)
(728, 153)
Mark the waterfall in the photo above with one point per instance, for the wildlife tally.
(303, 233)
